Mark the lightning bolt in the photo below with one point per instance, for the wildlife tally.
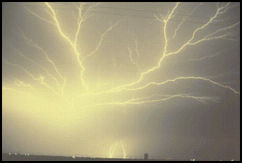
(178, 27)
(163, 98)
(49, 60)
(131, 57)
(218, 12)
(113, 149)
(123, 151)
(136, 48)
(73, 44)
(205, 57)
(41, 67)
(93, 52)
(20, 83)
(185, 78)
(165, 23)
(83, 14)
(184, 20)
(142, 74)
(40, 79)
(22, 68)
(38, 16)
(165, 53)
(212, 35)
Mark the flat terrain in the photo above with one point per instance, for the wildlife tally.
(18, 157)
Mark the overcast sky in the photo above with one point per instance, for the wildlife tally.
(122, 79)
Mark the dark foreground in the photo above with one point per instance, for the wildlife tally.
(7, 157)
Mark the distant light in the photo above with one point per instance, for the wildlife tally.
(192, 159)
(15, 153)
(73, 157)
(10, 153)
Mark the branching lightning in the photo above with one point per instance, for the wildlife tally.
(49, 60)
(101, 39)
(156, 99)
(165, 52)
(182, 22)
(185, 78)
(40, 79)
(38, 16)
(74, 43)
(104, 97)
(40, 66)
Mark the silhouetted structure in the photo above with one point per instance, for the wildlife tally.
(145, 156)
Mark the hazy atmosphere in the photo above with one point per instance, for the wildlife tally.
(118, 80)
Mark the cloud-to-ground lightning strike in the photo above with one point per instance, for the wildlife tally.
(115, 147)
(123, 150)
(111, 150)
